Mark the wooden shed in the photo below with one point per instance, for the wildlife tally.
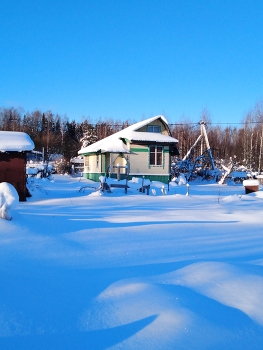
(251, 185)
(13, 148)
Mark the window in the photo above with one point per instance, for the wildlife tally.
(154, 128)
(86, 161)
(97, 160)
(156, 155)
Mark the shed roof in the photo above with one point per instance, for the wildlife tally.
(14, 141)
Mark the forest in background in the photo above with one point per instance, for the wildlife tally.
(59, 135)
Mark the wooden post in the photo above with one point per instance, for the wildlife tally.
(118, 172)
(187, 189)
(126, 176)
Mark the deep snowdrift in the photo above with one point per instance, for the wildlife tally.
(84, 270)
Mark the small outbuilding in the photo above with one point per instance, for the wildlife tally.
(251, 185)
(13, 148)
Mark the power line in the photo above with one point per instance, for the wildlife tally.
(210, 123)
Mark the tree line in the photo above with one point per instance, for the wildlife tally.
(243, 144)
(59, 135)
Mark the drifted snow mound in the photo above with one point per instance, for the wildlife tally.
(8, 200)
(180, 181)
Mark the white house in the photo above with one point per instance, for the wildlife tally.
(142, 149)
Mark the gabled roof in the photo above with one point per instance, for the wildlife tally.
(114, 143)
(14, 141)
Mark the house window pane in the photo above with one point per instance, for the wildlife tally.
(152, 155)
(156, 155)
(152, 158)
(149, 128)
(159, 159)
(154, 128)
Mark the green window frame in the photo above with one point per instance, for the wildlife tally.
(156, 156)
(154, 128)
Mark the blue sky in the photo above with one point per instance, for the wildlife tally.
(132, 59)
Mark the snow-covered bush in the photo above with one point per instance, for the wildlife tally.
(180, 180)
(61, 166)
(39, 169)
(8, 200)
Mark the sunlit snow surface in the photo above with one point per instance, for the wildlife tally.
(90, 270)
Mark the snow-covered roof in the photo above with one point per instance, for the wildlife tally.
(252, 182)
(241, 174)
(114, 143)
(77, 160)
(149, 136)
(14, 141)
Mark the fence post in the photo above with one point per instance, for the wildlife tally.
(118, 172)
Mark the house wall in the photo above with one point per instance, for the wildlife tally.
(93, 166)
(93, 172)
(13, 171)
(157, 122)
(139, 164)
(114, 161)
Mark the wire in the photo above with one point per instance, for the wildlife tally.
(240, 123)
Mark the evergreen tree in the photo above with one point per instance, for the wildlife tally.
(89, 135)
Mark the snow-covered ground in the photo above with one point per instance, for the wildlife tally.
(80, 270)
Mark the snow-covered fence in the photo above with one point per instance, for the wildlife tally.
(141, 184)
(137, 183)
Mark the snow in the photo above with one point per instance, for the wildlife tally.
(32, 171)
(15, 141)
(82, 269)
(180, 180)
(8, 200)
(77, 160)
(114, 143)
(251, 182)
(240, 174)
(109, 144)
(148, 136)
